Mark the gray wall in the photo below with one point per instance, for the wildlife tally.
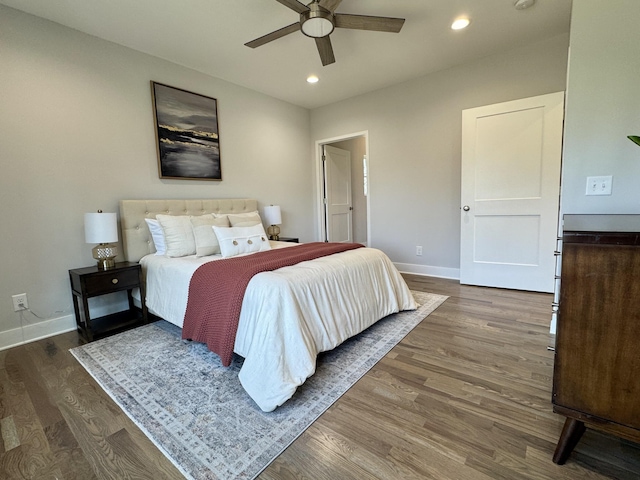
(77, 135)
(415, 141)
(603, 106)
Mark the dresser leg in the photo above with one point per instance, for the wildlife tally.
(569, 438)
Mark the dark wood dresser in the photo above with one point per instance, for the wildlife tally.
(596, 380)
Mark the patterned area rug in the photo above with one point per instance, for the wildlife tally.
(196, 411)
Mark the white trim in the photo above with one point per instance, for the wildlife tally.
(36, 331)
(428, 271)
(320, 178)
(553, 324)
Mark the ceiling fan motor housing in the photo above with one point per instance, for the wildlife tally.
(317, 22)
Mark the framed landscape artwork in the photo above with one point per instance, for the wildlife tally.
(186, 133)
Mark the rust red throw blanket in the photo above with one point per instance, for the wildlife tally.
(217, 289)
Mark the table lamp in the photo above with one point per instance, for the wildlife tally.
(102, 228)
(273, 217)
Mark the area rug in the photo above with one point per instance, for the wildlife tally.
(196, 411)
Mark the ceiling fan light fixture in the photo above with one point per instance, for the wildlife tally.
(317, 22)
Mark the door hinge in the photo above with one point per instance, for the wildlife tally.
(324, 200)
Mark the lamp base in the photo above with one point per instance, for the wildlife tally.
(105, 253)
(106, 264)
(274, 232)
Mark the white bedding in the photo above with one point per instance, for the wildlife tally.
(290, 315)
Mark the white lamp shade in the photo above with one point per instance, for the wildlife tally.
(272, 215)
(100, 227)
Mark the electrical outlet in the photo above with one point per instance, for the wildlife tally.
(419, 250)
(20, 302)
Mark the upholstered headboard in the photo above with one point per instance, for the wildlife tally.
(136, 238)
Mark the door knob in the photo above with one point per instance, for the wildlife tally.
(466, 208)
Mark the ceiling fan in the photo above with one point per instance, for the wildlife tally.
(318, 20)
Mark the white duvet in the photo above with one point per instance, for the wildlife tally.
(291, 314)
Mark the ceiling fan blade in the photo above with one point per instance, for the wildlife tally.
(269, 37)
(365, 22)
(294, 5)
(330, 5)
(325, 50)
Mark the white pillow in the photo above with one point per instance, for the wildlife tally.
(205, 237)
(239, 215)
(244, 219)
(238, 240)
(178, 235)
(157, 235)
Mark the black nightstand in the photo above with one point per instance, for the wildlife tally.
(92, 282)
(289, 239)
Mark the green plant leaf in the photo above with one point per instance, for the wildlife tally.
(635, 139)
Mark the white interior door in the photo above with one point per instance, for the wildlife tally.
(511, 156)
(338, 212)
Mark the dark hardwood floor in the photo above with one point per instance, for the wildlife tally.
(466, 395)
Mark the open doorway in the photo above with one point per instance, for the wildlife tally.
(357, 146)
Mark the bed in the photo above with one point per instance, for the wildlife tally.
(288, 315)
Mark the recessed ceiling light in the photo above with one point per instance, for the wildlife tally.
(312, 79)
(522, 4)
(460, 23)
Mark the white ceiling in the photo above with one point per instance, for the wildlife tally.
(209, 36)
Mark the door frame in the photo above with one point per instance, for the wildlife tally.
(319, 197)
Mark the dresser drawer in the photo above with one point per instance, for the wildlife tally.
(110, 281)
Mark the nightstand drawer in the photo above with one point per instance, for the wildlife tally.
(110, 281)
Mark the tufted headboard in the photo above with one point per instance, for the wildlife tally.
(136, 239)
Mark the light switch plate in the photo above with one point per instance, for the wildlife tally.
(599, 185)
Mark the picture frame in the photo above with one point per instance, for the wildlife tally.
(187, 135)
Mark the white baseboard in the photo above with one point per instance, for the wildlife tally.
(36, 331)
(429, 271)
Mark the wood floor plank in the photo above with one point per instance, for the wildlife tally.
(69, 458)
(11, 464)
(10, 439)
(368, 439)
(320, 462)
(465, 396)
(374, 465)
(33, 454)
(431, 464)
(135, 460)
(37, 391)
(376, 462)
(404, 435)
